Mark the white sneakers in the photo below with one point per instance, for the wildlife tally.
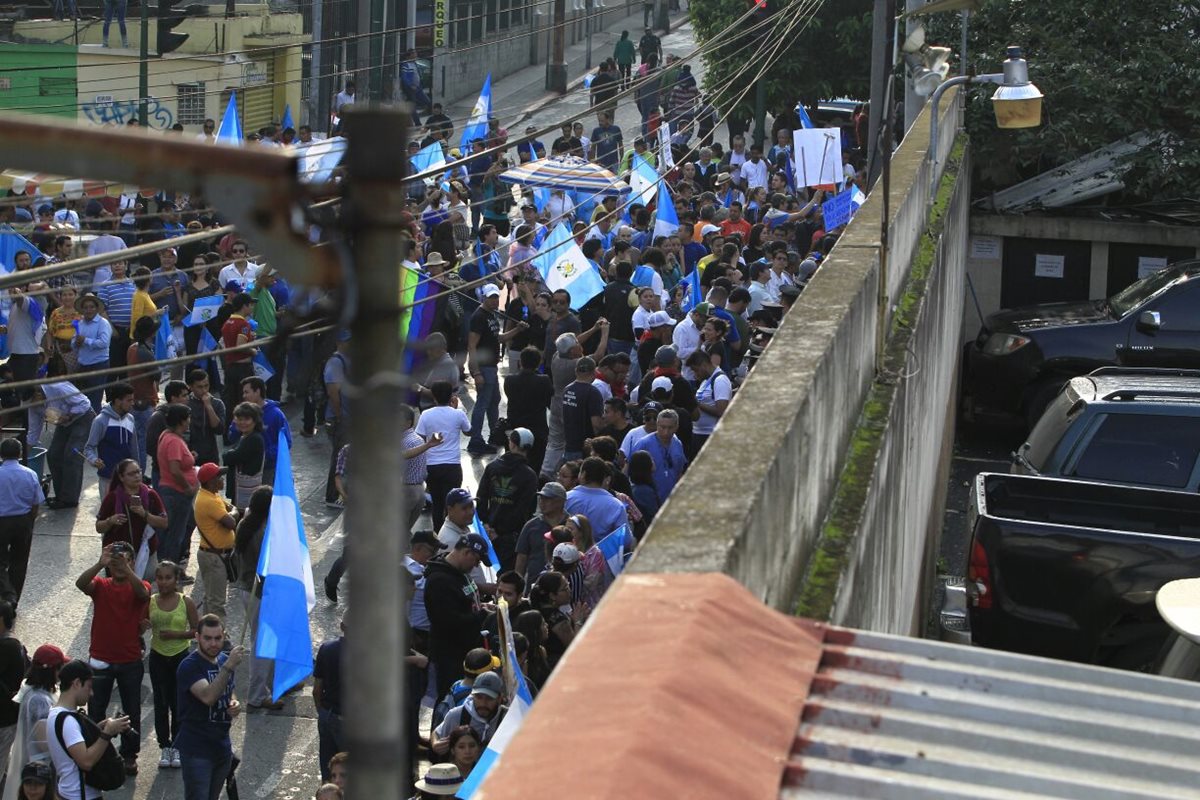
(169, 758)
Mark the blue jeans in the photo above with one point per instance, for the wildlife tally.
(114, 7)
(204, 775)
(175, 540)
(140, 420)
(487, 401)
(92, 386)
(332, 742)
(128, 678)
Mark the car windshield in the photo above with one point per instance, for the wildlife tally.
(1135, 294)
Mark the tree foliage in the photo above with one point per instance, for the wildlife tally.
(1107, 70)
(830, 57)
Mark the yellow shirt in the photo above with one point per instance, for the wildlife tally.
(143, 306)
(210, 510)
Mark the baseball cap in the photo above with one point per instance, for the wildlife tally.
(703, 308)
(209, 471)
(558, 535)
(651, 407)
(459, 497)
(658, 319)
(488, 683)
(662, 383)
(233, 286)
(491, 290)
(707, 229)
(479, 661)
(476, 543)
(425, 537)
(566, 553)
(36, 771)
(665, 356)
(553, 489)
(524, 437)
(49, 655)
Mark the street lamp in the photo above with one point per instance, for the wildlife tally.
(1016, 104)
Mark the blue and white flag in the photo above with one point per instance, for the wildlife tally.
(287, 584)
(612, 547)
(857, 198)
(666, 221)
(162, 340)
(262, 367)
(564, 266)
(428, 158)
(692, 297)
(477, 124)
(489, 573)
(643, 182)
(12, 243)
(518, 708)
(287, 121)
(802, 113)
(204, 309)
(207, 344)
(230, 131)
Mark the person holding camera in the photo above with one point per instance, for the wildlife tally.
(71, 754)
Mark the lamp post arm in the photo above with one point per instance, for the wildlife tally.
(934, 100)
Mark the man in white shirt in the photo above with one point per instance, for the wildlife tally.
(779, 276)
(760, 275)
(686, 337)
(71, 755)
(443, 461)
(67, 216)
(736, 157)
(344, 98)
(240, 270)
(754, 170)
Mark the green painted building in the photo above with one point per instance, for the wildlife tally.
(39, 79)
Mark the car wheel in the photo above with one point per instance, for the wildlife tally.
(1040, 397)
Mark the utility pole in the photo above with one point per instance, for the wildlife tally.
(913, 102)
(375, 643)
(587, 26)
(881, 73)
(662, 16)
(144, 65)
(556, 67)
(316, 80)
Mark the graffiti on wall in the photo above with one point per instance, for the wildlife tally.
(107, 111)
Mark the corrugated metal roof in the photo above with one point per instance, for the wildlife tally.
(892, 717)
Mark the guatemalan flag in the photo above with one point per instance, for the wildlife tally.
(162, 339)
(616, 549)
(230, 131)
(564, 266)
(477, 125)
(262, 367)
(12, 243)
(692, 297)
(518, 708)
(643, 181)
(428, 158)
(207, 344)
(802, 113)
(666, 221)
(489, 573)
(204, 309)
(287, 584)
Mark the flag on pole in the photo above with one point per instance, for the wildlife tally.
(564, 266)
(207, 345)
(518, 708)
(162, 340)
(643, 181)
(613, 547)
(802, 113)
(428, 158)
(12, 243)
(204, 309)
(287, 584)
(489, 573)
(666, 221)
(287, 121)
(477, 124)
(262, 367)
(693, 297)
(230, 131)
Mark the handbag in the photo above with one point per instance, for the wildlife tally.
(106, 774)
(231, 567)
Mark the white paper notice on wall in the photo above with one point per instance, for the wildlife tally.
(986, 248)
(1045, 266)
(1148, 265)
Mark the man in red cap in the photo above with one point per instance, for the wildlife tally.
(216, 519)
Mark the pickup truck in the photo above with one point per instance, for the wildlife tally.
(1069, 569)
(1022, 357)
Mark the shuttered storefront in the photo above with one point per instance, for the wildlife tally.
(258, 107)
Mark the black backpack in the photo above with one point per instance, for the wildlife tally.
(109, 772)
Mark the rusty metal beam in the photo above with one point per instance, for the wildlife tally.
(257, 188)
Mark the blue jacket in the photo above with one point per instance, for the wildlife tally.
(111, 439)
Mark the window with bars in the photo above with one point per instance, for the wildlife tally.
(190, 99)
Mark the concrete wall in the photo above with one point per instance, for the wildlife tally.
(790, 424)
(990, 232)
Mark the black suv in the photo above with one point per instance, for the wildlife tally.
(1135, 426)
(1022, 357)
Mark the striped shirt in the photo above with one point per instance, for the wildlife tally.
(118, 300)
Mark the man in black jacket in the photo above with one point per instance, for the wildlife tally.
(507, 495)
(455, 613)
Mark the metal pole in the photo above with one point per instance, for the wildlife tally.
(934, 100)
(556, 67)
(881, 22)
(144, 65)
(587, 23)
(375, 643)
(962, 56)
(316, 82)
(912, 100)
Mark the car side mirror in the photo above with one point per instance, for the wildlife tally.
(1149, 321)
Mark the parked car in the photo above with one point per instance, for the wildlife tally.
(1133, 426)
(1023, 357)
(1069, 569)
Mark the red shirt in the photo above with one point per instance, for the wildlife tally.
(115, 635)
(171, 447)
(236, 326)
(740, 227)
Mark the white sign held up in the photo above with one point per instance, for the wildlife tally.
(818, 154)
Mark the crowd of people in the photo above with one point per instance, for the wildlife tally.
(588, 408)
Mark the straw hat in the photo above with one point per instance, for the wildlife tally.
(441, 779)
